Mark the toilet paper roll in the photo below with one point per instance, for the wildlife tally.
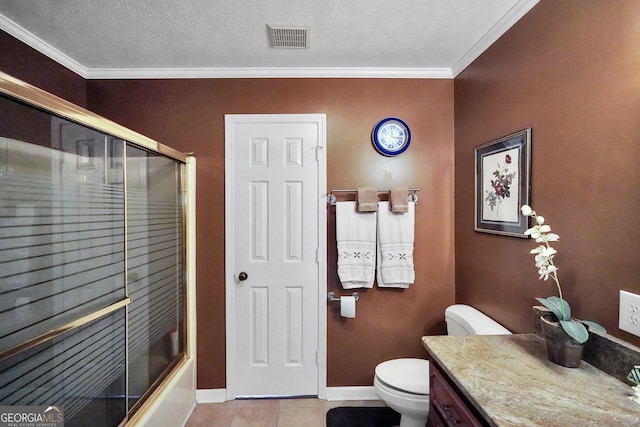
(348, 307)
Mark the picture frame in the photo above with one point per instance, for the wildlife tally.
(503, 184)
(114, 174)
(116, 153)
(85, 159)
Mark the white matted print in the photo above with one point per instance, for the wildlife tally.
(503, 181)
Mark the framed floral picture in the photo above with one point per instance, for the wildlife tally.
(503, 184)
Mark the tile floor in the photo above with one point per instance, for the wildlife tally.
(305, 412)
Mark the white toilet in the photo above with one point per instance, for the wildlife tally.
(403, 384)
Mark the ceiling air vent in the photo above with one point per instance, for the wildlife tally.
(288, 37)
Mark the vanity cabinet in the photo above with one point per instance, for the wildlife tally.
(508, 380)
(446, 406)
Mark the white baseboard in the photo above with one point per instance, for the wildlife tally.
(213, 395)
(219, 395)
(352, 393)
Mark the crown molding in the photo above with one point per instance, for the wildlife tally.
(41, 46)
(514, 15)
(268, 72)
(45, 48)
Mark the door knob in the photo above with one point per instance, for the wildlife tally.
(243, 276)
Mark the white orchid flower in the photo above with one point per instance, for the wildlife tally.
(546, 271)
(542, 265)
(548, 252)
(537, 250)
(545, 251)
(552, 237)
(544, 255)
(543, 273)
(526, 210)
(534, 232)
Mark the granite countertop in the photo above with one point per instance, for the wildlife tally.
(509, 379)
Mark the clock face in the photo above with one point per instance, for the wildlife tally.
(391, 136)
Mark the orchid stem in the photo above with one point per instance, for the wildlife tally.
(554, 275)
(555, 279)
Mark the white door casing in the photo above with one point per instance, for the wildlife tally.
(275, 232)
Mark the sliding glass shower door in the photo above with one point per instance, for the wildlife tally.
(154, 267)
(92, 289)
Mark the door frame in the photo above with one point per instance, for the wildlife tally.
(230, 293)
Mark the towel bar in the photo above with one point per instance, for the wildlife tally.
(331, 198)
(331, 297)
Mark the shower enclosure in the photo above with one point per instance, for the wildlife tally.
(92, 261)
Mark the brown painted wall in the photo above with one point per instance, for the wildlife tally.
(189, 116)
(27, 64)
(570, 70)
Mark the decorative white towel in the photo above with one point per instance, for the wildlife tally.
(356, 239)
(395, 247)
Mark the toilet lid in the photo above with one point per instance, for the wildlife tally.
(411, 375)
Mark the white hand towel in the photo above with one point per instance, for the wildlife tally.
(395, 247)
(356, 240)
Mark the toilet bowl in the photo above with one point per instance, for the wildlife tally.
(403, 384)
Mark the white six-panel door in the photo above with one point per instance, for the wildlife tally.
(275, 254)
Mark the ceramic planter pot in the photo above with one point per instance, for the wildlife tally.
(561, 348)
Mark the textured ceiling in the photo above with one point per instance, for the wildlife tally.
(117, 38)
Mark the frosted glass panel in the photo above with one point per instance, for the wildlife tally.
(82, 371)
(61, 238)
(155, 266)
(87, 220)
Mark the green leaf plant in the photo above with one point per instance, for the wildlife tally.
(544, 253)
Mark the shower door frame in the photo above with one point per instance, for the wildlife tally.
(183, 374)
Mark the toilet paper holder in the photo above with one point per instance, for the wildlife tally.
(331, 297)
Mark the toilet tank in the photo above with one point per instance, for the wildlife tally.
(465, 320)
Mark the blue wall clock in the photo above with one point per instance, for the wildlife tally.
(391, 136)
